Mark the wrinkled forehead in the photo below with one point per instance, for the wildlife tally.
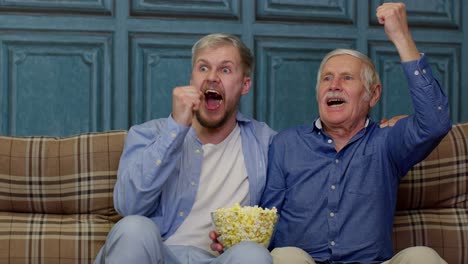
(218, 55)
(343, 63)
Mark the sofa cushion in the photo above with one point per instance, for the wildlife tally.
(56, 196)
(73, 175)
(440, 180)
(444, 230)
(52, 238)
(432, 206)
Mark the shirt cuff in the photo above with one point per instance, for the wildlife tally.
(174, 129)
(418, 72)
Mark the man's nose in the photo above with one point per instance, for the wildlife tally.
(335, 84)
(213, 76)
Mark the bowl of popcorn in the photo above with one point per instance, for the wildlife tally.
(244, 223)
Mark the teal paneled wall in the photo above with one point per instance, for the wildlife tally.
(71, 67)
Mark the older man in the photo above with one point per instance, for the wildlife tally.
(335, 182)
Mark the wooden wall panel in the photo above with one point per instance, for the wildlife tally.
(342, 11)
(55, 83)
(63, 6)
(120, 60)
(444, 62)
(429, 13)
(287, 70)
(227, 9)
(159, 63)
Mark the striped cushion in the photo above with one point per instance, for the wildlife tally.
(444, 230)
(56, 196)
(51, 238)
(432, 208)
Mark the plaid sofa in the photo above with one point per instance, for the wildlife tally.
(56, 201)
(56, 198)
(432, 206)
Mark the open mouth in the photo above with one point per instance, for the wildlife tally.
(335, 102)
(213, 99)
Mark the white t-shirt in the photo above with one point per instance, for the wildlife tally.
(223, 182)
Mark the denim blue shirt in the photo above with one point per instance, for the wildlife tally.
(160, 168)
(339, 206)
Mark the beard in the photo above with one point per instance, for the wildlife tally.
(204, 120)
(213, 124)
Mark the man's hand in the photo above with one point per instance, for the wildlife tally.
(385, 122)
(185, 100)
(393, 17)
(215, 245)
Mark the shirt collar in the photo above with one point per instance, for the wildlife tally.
(241, 118)
(318, 123)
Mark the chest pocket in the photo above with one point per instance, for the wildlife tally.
(365, 177)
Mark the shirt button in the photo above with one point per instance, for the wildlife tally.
(332, 214)
(439, 108)
(332, 243)
(337, 161)
(158, 162)
(333, 187)
(193, 183)
(424, 71)
(173, 135)
(330, 141)
(197, 151)
(416, 72)
(181, 213)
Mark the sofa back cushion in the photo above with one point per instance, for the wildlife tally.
(73, 175)
(432, 207)
(440, 180)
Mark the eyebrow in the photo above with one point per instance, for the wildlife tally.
(224, 62)
(340, 74)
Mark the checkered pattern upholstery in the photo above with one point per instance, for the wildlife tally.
(56, 198)
(56, 203)
(432, 208)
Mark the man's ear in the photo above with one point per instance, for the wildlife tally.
(375, 97)
(247, 82)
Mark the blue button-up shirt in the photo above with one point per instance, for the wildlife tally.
(339, 206)
(160, 168)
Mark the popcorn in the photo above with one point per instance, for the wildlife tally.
(246, 223)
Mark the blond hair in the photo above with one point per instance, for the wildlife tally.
(221, 39)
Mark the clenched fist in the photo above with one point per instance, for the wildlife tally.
(393, 17)
(185, 100)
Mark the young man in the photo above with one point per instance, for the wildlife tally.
(335, 182)
(175, 171)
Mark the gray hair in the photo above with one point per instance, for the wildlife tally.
(220, 39)
(369, 74)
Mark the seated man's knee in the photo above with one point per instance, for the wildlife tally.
(420, 254)
(134, 239)
(250, 252)
(137, 227)
(291, 255)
